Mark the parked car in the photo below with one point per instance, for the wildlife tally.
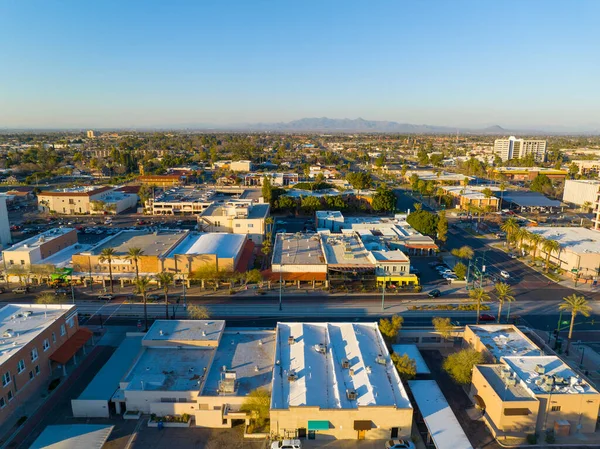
(154, 297)
(399, 444)
(287, 444)
(21, 290)
(434, 293)
(106, 297)
(487, 317)
(61, 291)
(504, 274)
(512, 255)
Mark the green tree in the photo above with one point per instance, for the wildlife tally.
(480, 296)
(206, 273)
(134, 254)
(406, 367)
(50, 298)
(505, 294)
(550, 246)
(286, 203)
(196, 312)
(258, 404)
(464, 252)
(142, 284)
(511, 227)
(540, 183)
(390, 327)
(384, 200)
(310, 204)
(461, 270)
(423, 221)
(166, 280)
(460, 365)
(253, 277)
(436, 159)
(267, 190)
(108, 255)
(442, 227)
(423, 157)
(443, 326)
(359, 180)
(535, 240)
(575, 305)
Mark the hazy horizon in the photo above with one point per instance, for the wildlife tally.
(519, 65)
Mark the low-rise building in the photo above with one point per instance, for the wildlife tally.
(529, 173)
(333, 220)
(440, 176)
(161, 180)
(298, 258)
(465, 198)
(180, 200)
(86, 200)
(5, 236)
(581, 192)
(37, 249)
(237, 217)
(588, 167)
(241, 166)
(524, 391)
(277, 179)
(336, 380)
(38, 341)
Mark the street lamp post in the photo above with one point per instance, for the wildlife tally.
(383, 295)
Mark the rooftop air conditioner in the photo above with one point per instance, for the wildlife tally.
(345, 363)
(380, 359)
(540, 369)
(510, 381)
(292, 376)
(351, 395)
(321, 348)
(291, 340)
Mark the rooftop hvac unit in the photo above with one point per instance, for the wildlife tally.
(368, 369)
(351, 395)
(549, 380)
(574, 380)
(321, 348)
(8, 333)
(506, 372)
(559, 379)
(540, 369)
(351, 372)
(291, 340)
(345, 363)
(28, 313)
(380, 359)
(540, 380)
(292, 376)
(546, 388)
(510, 381)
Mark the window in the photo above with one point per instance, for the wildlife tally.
(10, 395)
(46, 344)
(37, 369)
(21, 366)
(5, 379)
(71, 322)
(2, 403)
(250, 225)
(22, 262)
(555, 408)
(34, 354)
(30, 375)
(237, 225)
(63, 330)
(53, 337)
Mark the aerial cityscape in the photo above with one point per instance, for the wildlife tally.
(329, 224)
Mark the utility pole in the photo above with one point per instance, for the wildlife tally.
(383, 296)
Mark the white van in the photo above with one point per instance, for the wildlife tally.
(286, 444)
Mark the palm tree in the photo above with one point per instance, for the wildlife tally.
(511, 227)
(575, 304)
(502, 189)
(586, 206)
(479, 295)
(549, 246)
(504, 293)
(108, 255)
(166, 279)
(535, 240)
(522, 235)
(135, 255)
(142, 287)
(417, 206)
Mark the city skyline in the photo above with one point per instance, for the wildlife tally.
(466, 65)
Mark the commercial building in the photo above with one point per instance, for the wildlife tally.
(581, 191)
(277, 179)
(90, 134)
(38, 249)
(241, 166)
(175, 251)
(525, 391)
(336, 380)
(73, 436)
(465, 198)
(596, 219)
(180, 200)
(513, 148)
(38, 341)
(161, 180)
(588, 167)
(5, 237)
(332, 220)
(529, 173)
(298, 258)
(529, 201)
(86, 200)
(579, 250)
(237, 217)
(441, 176)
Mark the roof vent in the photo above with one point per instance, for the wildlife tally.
(380, 359)
(351, 395)
(351, 372)
(540, 369)
(292, 376)
(510, 381)
(345, 363)
(161, 333)
(368, 369)
(204, 333)
(27, 313)
(256, 368)
(291, 340)
(321, 348)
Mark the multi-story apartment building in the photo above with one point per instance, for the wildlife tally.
(513, 148)
(36, 339)
(237, 217)
(86, 200)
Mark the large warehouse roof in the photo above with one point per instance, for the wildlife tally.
(530, 199)
(225, 246)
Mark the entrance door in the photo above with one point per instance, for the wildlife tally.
(302, 432)
(394, 432)
(361, 434)
(311, 434)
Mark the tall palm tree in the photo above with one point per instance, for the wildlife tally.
(502, 189)
(142, 285)
(550, 246)
(134, 254)
(108, 255)
(535, 240)
(574, 304)
(511, 227)
(479, 295)
(504, 293)
(522, 235)
(166, 279)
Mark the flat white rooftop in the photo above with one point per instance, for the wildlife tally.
(73, 436)
(565, 380)
(441, 422)
(505, 340)
(345, 249)
(390, 256)
(21, 323)
(298, 249)
(251, 354)
(321, 379)
(413, 352)
(185, 330)
(225, 246)
(63, 258)
(36, 241)
(152, 243)
(577, 240)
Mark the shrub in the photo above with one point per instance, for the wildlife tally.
(460, 365)
(532, 438)
(550, 438)
(418, 289)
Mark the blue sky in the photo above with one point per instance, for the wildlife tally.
(151, 63)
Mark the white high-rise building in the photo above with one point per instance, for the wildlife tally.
(513, 148)
(5, 238)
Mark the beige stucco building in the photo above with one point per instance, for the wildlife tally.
(86, 200)
(236, 217)
(35, 250)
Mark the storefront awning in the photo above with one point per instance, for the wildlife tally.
(63, 354)
(318, 425)
(362, 425)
